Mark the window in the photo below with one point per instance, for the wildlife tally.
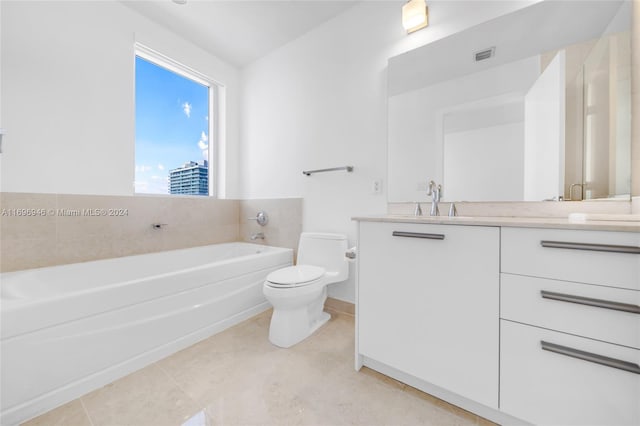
(174, 115)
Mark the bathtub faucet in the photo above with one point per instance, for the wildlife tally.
(258, 236)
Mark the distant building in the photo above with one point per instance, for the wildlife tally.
(192, 178)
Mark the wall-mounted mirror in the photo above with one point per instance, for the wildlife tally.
(530, 106)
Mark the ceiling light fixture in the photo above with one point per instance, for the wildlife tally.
(179, 1)
(415, 15)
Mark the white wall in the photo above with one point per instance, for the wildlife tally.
(544, 112)
(68, 95)
(320, 101)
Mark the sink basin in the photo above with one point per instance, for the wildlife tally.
(583, 217)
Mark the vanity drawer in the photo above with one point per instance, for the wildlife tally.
(604, 313)
(583, 258)
(546, 387)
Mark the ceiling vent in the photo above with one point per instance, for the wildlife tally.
(485, 54)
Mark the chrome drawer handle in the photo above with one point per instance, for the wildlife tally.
(607, 304)
(591, 247)
(591, 357)
(418, 235)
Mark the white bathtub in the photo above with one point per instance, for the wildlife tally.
(69, 329)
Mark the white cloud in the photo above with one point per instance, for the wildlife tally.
(141, 168)
(186, 107)
(160, 166)
(203, 145)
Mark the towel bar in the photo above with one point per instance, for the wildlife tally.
(333, 169)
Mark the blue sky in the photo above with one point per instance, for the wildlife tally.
(172, 125)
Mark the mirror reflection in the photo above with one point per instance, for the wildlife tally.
(531, 106)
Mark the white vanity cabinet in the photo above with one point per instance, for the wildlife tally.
(570, 326)
(427, 304)
(513, 323)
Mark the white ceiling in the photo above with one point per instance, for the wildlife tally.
(240, 31)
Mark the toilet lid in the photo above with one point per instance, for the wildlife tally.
(295, 275)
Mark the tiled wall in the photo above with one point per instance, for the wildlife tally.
(63, 231)
(284, 226)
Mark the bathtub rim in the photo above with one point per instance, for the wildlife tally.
(11, 299)
(16, 317)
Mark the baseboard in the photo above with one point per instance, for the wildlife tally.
(452, 398)
(340, 306)
(44, 403)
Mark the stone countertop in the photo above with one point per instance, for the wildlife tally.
(516, 222)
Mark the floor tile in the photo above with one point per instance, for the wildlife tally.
(146, 397)
(238, 377)
(71, 414)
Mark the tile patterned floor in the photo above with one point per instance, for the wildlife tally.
(238, 378)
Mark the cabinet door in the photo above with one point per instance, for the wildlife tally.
(560, 382)
(429, 307)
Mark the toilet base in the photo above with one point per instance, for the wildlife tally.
(324, 317)
(290, 327)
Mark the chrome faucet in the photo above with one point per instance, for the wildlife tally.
(258, 236)
(435, 192)
(418, 210)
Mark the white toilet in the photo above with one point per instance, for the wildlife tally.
(298, 293)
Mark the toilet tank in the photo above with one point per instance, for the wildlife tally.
(325, 250)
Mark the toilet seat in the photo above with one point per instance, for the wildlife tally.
(295, 276)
